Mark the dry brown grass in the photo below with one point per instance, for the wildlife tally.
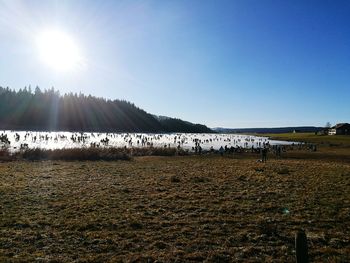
(310, 137)
(87, 154)
(174, 209)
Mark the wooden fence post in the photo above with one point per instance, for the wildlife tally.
(301, 247)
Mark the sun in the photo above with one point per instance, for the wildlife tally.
(59, 50)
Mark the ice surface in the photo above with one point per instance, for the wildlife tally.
(60, 140)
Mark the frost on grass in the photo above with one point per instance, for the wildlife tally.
(207, 209)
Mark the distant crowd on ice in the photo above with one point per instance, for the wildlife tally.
(195, 143)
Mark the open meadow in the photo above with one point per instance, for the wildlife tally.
(310, 137)
(176, 209)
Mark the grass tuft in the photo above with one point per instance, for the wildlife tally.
(175, 179)
(5, 155)
(136, 225)
(283, 170)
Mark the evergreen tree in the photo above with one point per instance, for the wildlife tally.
(48, 110)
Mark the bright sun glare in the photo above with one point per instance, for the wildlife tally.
(59, 50)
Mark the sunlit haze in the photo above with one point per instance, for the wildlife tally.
(228, 63)
(58, 50)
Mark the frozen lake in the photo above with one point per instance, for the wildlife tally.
(16, 140)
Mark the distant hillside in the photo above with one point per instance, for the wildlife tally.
(48, 110)
(269, 130)
(182, 126)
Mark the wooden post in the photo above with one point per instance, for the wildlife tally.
(301, 247)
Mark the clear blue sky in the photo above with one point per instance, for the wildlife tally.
(247, 63)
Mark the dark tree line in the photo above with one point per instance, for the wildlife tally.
(48, 110)
(172, 124)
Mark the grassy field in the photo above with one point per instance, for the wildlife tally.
(174, 209)
(333, 140)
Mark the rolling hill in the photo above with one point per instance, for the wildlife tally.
(48, 110)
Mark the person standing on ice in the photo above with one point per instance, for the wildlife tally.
(221, 151)
(263, 154)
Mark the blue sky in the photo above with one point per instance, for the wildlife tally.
(248, 63)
